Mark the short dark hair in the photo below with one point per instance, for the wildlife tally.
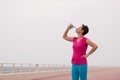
(85, 29)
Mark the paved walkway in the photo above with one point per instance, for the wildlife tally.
(99, 74)
(105, 74)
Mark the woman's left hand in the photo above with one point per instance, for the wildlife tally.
(84, 56)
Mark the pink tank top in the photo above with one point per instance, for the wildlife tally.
(79, 49)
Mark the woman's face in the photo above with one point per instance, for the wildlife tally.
(79, 30)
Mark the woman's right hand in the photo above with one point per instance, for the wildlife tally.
(65, 36)
(70, 27)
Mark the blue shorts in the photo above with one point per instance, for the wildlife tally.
(79, 71)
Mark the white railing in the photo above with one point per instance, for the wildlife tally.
(8, 68)
(23, 71)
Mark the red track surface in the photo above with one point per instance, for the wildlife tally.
(99, 74)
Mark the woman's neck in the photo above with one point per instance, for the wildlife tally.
(80, 36)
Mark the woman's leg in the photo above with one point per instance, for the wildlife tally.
(83, 72)
(75, 73)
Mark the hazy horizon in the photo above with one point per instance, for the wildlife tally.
(31, 30)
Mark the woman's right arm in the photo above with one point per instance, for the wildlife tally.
(65, 35)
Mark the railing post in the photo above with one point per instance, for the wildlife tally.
(29, 67)
(48, 67)
(1, 68)
(13, 68)
(37, 68)
(21, 67)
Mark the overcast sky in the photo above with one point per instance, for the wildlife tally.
(31, 30)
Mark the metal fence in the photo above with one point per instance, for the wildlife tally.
(6, 68)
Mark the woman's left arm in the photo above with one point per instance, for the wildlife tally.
(93, 45)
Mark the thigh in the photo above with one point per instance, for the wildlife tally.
(83, 72)
(75, 73)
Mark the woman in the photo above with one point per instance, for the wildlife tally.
(79, 58)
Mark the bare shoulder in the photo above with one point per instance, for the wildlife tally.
(90, 42)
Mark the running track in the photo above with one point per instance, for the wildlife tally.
(99, 74)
